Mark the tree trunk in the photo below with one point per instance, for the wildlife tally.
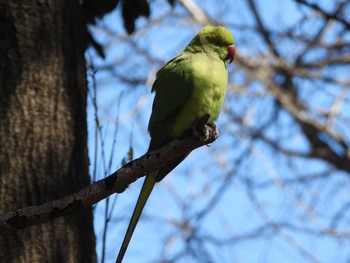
(43, 136)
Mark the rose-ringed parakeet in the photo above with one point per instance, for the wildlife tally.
(189, 86)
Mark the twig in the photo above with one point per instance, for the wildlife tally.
(327, 15)
(262, 29)
(196, 12)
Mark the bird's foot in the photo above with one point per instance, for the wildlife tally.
(214, 130)
(204, 131)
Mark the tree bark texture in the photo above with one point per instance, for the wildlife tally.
(43, 134)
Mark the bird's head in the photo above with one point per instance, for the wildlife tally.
(216, 39)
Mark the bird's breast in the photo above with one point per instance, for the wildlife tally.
(209, 83)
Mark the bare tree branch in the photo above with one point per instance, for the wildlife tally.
(263, 31)
(312, 128)
(114, 183)
(196, 12)
(327, 15)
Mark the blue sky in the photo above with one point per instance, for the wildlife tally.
(236, 225)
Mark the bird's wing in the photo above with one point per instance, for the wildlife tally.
(173, 88)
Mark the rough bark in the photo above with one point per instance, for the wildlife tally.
(43, 138)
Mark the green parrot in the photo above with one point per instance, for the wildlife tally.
(189, 86)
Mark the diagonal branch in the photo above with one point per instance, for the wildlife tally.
(328, 16)
(197, 13)
(114, 183)
(264, 32)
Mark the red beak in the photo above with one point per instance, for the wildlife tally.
(231, 53)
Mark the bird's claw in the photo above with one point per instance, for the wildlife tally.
(204, 131)
(214, 131)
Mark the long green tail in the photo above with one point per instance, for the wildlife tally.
(146, 190)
